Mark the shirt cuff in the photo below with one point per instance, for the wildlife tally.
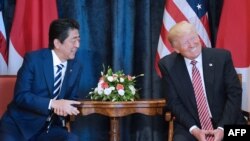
(50, 104)
(192, 128)
(221, 128)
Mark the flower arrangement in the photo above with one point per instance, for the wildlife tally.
(115, 87)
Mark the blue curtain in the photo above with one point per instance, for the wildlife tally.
(122, 34)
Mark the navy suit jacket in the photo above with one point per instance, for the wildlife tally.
(34, 88)
(223, 89)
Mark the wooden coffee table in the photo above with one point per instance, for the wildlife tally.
(116, 110)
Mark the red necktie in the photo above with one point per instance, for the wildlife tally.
(206, 123)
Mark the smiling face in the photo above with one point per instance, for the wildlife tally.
(66, 50)
(185, 40)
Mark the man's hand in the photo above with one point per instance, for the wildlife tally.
(65, 107)
(218, 134)
(199, 134)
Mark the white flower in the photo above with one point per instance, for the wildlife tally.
(96, 90)
(112, 88)
(110, 78)
(132, 88)
(115, 77)
(107, 91)
(99, 90)
(121, 79)
(121, 92)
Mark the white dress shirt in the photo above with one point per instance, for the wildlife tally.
(57, 61)
(200, 68)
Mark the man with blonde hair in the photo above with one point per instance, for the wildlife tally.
(202, 87)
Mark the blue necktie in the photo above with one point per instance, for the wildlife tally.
(56, 92)
(58, 80)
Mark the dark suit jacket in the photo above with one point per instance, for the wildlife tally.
(223, 88)
(34, 88)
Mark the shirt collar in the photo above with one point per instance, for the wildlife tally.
(56, 60)
(198, 59)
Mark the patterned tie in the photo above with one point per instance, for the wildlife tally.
(58, 80)
(203, 111)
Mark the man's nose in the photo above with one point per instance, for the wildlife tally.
(77, 44)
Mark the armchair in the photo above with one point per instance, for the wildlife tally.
(7, 85)
(170, 119)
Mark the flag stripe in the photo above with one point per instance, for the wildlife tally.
(164, 39)
(175, 12)
(163, 51)
(3, 48)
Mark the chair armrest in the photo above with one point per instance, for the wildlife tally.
(247, 116)
(70, 119)
(170, 119)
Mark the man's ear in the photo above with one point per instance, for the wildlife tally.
(176, 50)
(57, 43)
(175, 46)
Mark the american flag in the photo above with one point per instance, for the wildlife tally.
(3, 47)
(193, 11)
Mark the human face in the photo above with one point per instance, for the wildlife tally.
(188, 45)
(67, 49)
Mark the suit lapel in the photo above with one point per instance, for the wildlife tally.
(185, 84)
(48, 70)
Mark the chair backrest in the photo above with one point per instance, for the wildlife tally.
(240, 78)
(7, 84)
(245, 113)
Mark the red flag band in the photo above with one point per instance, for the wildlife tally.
(233, 34)
(29, 29)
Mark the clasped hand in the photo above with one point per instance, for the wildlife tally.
(64, 107)
(200, 135)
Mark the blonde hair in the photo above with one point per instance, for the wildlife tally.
(179, 30)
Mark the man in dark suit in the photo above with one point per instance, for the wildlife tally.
(220, 86)
(37, 112)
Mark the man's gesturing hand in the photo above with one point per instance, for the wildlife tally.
(64, 107)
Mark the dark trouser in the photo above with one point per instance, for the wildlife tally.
(182, 134)
(10, 132)
(56, 133)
